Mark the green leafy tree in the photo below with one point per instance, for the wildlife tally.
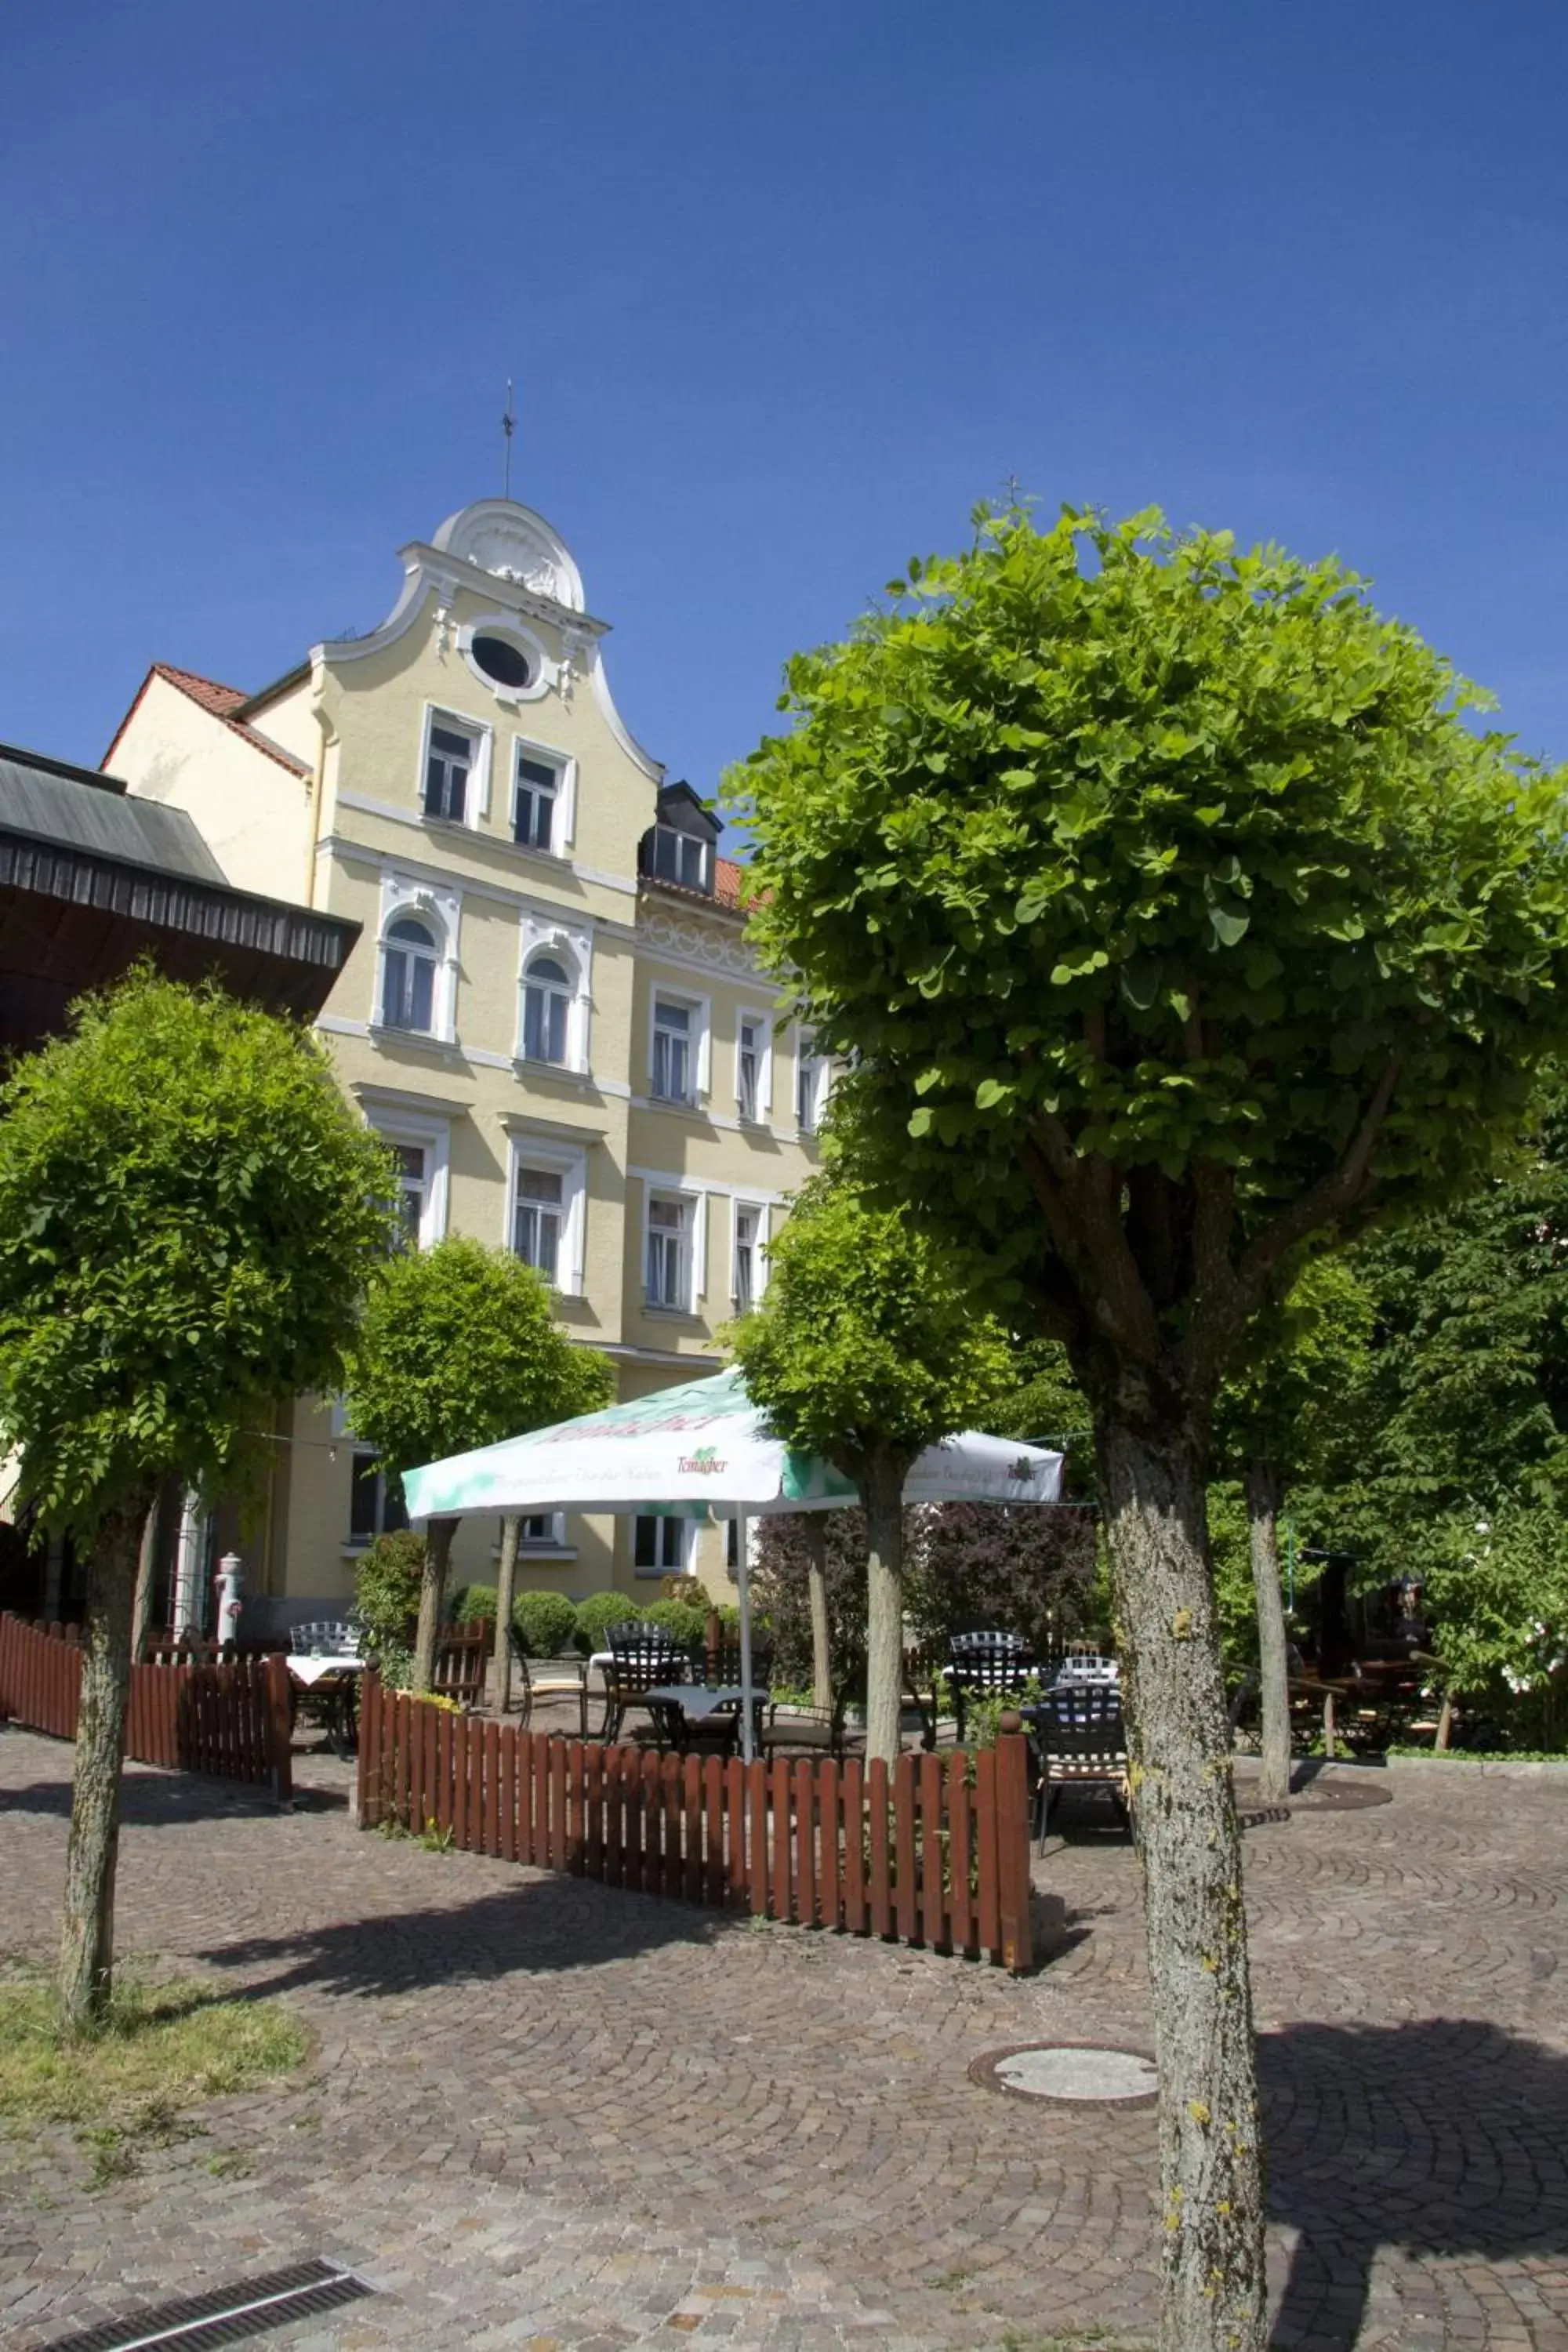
(458, 1348)
(188, 1212)
(1497, 1598)
(867, 1348)
(1294, 1413)
(1169, 913)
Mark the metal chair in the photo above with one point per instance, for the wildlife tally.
(985, 1665)
(1079, 1739)
(554, 1678)
(641, 1658)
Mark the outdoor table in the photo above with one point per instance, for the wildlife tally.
(675, 1705)
(334, 1682)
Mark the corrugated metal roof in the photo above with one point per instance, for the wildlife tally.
(41, 798)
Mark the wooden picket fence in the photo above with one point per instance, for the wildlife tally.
(229, 1718)
(934, 1852)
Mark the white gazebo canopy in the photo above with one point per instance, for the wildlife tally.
(705, 1446)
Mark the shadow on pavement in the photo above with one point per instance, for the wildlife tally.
(538, 1925)
(1442, 2137)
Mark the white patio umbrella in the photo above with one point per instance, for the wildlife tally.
(705, 1446)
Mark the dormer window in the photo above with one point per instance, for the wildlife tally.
(678, 857)
(679, 848)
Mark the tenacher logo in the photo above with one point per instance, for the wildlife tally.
(703, 1464)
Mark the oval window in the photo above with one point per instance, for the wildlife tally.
(502, 661)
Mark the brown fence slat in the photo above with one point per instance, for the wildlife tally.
(576, 1819)
(879, 1866)
(783, 1908)
(757, 1837)
(691, 1874)
(650, 1826)
(805, 1844)
(854, 1799)
(827, 1799)
(904, 1849)
(614, 1856)
(558, 1804)
(988, 1929)
(961, 1849)
(715, 1885)
(1013, 1849)
(933, 1862)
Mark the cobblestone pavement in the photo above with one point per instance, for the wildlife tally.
(546, 2115)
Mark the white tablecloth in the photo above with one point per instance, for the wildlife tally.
(307, 1669)
(699, 1704)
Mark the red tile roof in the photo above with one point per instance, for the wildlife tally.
(727, 881)
(221, 701)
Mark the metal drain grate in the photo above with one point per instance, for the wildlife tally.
(228, 2316)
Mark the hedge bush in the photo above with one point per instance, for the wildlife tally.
(685, 1621)
(474, 1604)
(599, 1612)
(387, 1590)
(546, 1622)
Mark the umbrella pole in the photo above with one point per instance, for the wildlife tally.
(743, 1581)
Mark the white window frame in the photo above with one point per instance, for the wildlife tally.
(434, 1136)
(541, 1547)
(543, 934)
(762, 1023)
(700, 1040)
(404, 894)
(705, 849)
(685, 1530)
(739, 1208)
(479, 802)
(563, 988)
(695, 1202)
(570, 1162)
(546, 669)
(806, 1051)
(524, 747)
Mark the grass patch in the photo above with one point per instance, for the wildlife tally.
(163, 2047)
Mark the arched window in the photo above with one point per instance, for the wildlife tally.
(408, 974)
(546, 999)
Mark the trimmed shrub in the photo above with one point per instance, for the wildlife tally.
(387, 1590)
(474, 1604)
(685, 1621)
(599, 1612)
(546, 1622)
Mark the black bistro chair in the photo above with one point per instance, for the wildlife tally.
(641, 1658)
(1079, 1739)
(985, 1665)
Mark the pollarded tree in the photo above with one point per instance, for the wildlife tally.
(867, 1348)
(458, 1348)
(1169, 913)
(188, 1215)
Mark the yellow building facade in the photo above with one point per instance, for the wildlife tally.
(551, 1013)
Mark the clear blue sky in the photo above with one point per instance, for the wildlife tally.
(787, 289)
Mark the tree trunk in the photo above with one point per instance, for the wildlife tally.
(882, 1493)
(92, 1849)
(432, 1595)
(146, 1567)
(1445, 1723)
(1264, 1487)
(1211, 2176)
(816, 1592)
(506, 1578)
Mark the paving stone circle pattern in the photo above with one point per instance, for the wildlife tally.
(548, 2114)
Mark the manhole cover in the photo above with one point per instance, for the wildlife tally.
(1081, 2072)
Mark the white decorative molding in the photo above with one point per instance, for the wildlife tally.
(513, 543)
(714, 951)
(543, 1148)
(541, 929)
(546, 670)
(442, 909)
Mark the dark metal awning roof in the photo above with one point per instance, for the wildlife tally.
(92, 876)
